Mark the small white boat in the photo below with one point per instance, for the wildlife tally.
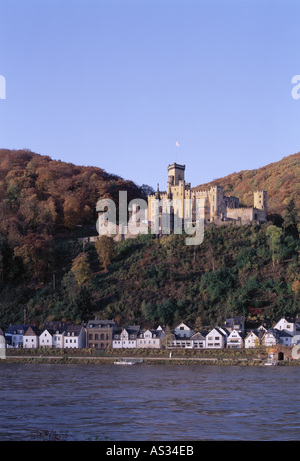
(128, 361)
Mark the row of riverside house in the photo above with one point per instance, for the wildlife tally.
(100, 334)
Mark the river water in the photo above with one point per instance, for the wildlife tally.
(150, 402)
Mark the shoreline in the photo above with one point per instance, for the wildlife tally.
(87, 360)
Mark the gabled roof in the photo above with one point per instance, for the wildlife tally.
(51, 332)
(221, 331)
(252, 332)
(198, 336)
(183, 323)
(74, 330)
(272, 331)
(285, 333)
(133, 330)
(157, 333)
(32, 331)
(13, 329)
(259, 333)
(235, 332)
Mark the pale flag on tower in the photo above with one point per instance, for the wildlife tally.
(177, 144)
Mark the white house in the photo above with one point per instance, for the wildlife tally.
(58, 339)
(252, 340)
(179, 343)
(57, 330)
(74, 337)
(127, 338)
(271, 337)
(46, 339)
(31, 338)
(235, 340)
(150, 339)
(183, 331)
(198, 340)
(216, 338)
(286, 325)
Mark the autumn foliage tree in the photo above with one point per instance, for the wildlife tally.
(36, 254)
(106, 250)
(81, 269)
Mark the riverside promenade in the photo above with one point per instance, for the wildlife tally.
(146, 360)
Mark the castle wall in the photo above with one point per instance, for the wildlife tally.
(244, 215)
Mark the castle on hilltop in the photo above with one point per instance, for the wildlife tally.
(216, 207)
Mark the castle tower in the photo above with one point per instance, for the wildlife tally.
(176, 174)
(260, 200)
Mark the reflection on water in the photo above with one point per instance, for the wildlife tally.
(150, 402)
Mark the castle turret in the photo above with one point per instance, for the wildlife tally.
(157, 193)
(260, 205)
(176, 173)
(260, 200)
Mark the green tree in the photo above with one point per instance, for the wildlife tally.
(83, 303)
(291, 218)
(274, 235)
(106, 250)
(81, 269)
(149, 311)
(165, 311)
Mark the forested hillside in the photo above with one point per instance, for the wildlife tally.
(280, 179)
(47, 273)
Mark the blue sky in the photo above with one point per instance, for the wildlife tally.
(114, 83)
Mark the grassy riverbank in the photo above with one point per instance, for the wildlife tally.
(247, 357)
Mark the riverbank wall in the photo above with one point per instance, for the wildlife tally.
(253, 357)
